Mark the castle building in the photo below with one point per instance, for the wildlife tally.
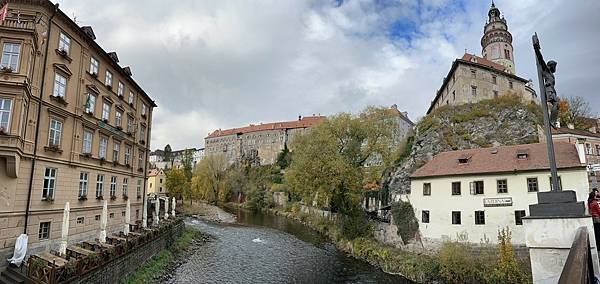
(473, 78)
(74, 127)
(157, 159)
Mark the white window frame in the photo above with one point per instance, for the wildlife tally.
(113, 186)
(106, 110)
(64, 43)
(91, 107)
(127, 155)
(88, 140)
(103, 145)
(94, 66)
(44, 232)
(120, 89)
(116, 151)
(144, 109)
(140, 158)
(99, 185)
(139, 188)
(49, 186)
(55, 132)
(129, 124)
(60, 85)
(125, 186)
(5, 114)
(83, 184)
(108, 78)
(131, 97)
(10, 57)
(118, 118)
(143, 132)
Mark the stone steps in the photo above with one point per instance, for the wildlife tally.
(11, 276)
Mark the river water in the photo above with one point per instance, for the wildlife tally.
(263, 248)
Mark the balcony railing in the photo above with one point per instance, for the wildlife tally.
(18, 24)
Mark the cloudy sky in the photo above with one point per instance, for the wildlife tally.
(222, 64)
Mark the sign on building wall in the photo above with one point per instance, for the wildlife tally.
(497, 202)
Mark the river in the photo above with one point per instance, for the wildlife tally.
(263, 248)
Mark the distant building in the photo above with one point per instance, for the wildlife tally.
(476, 192)
(158, 160)
(262, 142)
(157, 182)
(473, 78)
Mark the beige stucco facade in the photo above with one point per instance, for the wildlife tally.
(157, 182)
(64, 139)
(441, 203)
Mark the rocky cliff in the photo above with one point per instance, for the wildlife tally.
(490, 123)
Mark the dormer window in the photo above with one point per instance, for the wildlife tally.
(463, 160)
(521, 155)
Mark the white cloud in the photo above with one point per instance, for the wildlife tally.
(220, 64)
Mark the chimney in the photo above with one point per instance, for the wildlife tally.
(581, 151)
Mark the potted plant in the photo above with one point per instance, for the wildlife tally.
(6, 69)
(139, 197)
(82, 197)
(59, 99)
(99, 197)
(113, 197)
(87, 155)
(48, 199)
(2, 130)
(127, 165)
(115, 163)
(102, 160)
(125, 197)
(131, 104)
(105, 120)
(119, 127)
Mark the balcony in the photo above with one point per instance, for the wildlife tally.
(18, 24)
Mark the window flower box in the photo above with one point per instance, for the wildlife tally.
(119, 127)
(90, 113)
(95, 75)
(141, 170)
(105, 120)
(82, 198)
(3, 131)
(116, 163)
(102, 160)
(139, 197)
(48, 199)
(59, 99)
(86, 155)
(100, 197)
(125, 197)
(113, 197)
(142, 142)
(128, 166)
(131, 104)
(6, 69)
(53, 148)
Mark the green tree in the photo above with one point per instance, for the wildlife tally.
(208, 181)
(176, 183)
(167, 154)
(186, 163)
(284, 158)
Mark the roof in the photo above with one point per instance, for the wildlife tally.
(484, 161)
(304, 122)
(476, 61)
(580, 132)
(152, 173)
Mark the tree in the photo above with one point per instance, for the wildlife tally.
(177, 184)
(208, 180)
(284, 158)
(575, 110)
(186, 163)
(167, 154)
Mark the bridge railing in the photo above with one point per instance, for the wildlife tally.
(579, 268)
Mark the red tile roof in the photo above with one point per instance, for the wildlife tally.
(305, 122)
(580, 132)
(482, 161)
(480, 60)
(153, 172)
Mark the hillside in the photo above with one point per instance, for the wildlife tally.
(501, 121)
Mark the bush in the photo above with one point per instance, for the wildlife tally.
(458, 265)
(355, 224)
(508, 268)
(405, 220)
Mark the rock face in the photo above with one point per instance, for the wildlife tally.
(490, 123)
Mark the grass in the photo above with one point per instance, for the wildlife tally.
(158, 264)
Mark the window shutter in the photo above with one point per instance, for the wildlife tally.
(472, 187)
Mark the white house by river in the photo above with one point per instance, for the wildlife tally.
(473, 193)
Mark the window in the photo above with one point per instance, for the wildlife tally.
(49, 183)
(519, 214)
(142, 132)
(131, 98)
(116, 148)
(588, 149)
(113, 186)
(140, 158)
(510, 84)
(453, 95)
(455, 217)
(120, 89)
(127, 155)
(87, 142)
(502, 186)
(129, 124)
(507, 54)
(144, 109)
(10, 56)
(137, 214)
(90, 103)
(138, 188)
(456, 188)
(473, 73)
(44, 232)
(427, 188)
(479, 217)
(425, 216)
(494, 79)
(495, 94)
(108, 79)
(60, 85)
(105, 111)
(125, 186)
(597, 146)
(102, 148)
(64, 43)
(97, 217)
(111, 215)
(5, 109)
(80, 220)
(477, 187)
(474, 90)
(122, 213)
(83, 184)
(94, 66)
(532, 184)
(559, 183)
(99, 185)
(55, 132)
(118, 118)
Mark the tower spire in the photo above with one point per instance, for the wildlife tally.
(496, 42)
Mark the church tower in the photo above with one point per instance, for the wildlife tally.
(496, 42)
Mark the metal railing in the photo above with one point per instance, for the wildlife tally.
(579, 268)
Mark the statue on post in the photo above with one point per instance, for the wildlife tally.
(548, 70)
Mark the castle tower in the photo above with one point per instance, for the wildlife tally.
(496, 42)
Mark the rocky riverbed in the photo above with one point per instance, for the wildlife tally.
(209, 213)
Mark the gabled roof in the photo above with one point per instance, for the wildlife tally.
(499, 160)
(579, 132)
(304, 122)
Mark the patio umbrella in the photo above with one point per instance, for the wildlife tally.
(173, 207)
(166, 208)
(156, 208)
(127, 218)
(145, 213)
(64, 235)
(103, 221)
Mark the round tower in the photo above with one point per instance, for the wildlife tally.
(496, 42)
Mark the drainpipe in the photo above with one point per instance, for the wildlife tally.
(39, 114)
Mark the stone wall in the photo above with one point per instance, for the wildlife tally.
(118, 269)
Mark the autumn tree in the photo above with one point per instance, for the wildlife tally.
(208, 179)
(186, 163)
(177, 183)
(576, 111)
